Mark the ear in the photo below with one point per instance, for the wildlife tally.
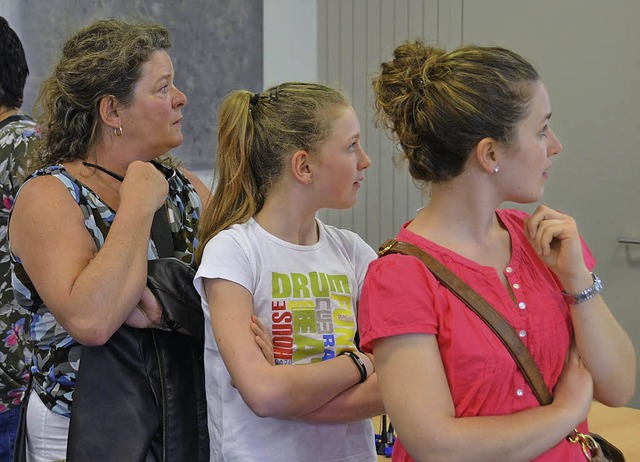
(486, 152)
(108, 109)
(301, 166)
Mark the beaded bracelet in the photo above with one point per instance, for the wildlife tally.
(359, 364)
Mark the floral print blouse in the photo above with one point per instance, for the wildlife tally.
(17, 136)
(56, 355)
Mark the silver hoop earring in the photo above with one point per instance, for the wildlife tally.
(496, 169)
(117, 131)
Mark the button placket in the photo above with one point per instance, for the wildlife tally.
(515, 286)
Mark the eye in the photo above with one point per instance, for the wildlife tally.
(352, 146)
(164, 90)
(545, 129)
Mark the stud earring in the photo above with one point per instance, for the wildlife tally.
(496, 169)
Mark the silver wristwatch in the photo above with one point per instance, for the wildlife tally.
(586, 294)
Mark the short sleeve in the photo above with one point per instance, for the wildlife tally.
(399, 296)
(225, 257)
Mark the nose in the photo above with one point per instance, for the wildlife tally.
(365, 161)
(179, 98)
(555, 146)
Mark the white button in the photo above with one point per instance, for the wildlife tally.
(522, 305)
(516, 286)
(522, 333)
(508, 269)
(519, 392)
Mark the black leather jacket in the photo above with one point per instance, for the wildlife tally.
(140, 397)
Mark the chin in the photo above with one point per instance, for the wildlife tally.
(174, 144)
(527, 198)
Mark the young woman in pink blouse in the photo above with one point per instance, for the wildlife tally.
(473, 126)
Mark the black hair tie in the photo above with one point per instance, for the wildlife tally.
(253, 102)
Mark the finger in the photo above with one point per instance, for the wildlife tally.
(532, 222)
(545, 236)
(257, 321)
(258, 327)
(548, 231)
(260, 333)
(266, 349)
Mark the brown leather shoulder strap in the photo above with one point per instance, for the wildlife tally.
(484, 310)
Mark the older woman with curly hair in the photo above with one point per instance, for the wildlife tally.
(80, 229)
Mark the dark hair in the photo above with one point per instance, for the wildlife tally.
(256, 133)
(440, 105)
(13, 67)
(103, 58)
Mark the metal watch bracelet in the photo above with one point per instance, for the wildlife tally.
(586, 294)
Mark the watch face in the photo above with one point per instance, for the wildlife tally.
(597, 283)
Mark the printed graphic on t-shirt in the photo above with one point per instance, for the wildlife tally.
(312, 316)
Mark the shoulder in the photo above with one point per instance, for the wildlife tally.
(53, 180)
(44, 202)
(202, 189)
(231, 242)
(50, 185)
(346, 240)
(231, 255)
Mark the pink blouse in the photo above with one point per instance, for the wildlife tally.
(401, 296)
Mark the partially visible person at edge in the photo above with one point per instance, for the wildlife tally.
(18, 134)
(110, 101)
(473, 125)
(283, 155)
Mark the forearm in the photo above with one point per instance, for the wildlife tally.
(290, 392)
(418, 400)
(606, 351)
(359, 402)
(112, 283)
(516, 437)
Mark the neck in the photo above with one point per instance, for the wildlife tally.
(7, 112)
(288, 220)
(457, 213)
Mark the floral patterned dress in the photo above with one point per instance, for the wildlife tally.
(17, 136)
(56, 355)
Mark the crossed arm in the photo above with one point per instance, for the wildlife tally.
(327, 391)
(91, 293)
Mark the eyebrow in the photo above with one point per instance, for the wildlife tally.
(166, 76)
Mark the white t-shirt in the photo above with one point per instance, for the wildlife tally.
(306, 296)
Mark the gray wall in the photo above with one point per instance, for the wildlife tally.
(217, 47)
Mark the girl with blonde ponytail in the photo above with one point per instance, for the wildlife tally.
(267, 262)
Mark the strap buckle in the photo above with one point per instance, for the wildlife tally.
(386, 246)
(587, 443)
